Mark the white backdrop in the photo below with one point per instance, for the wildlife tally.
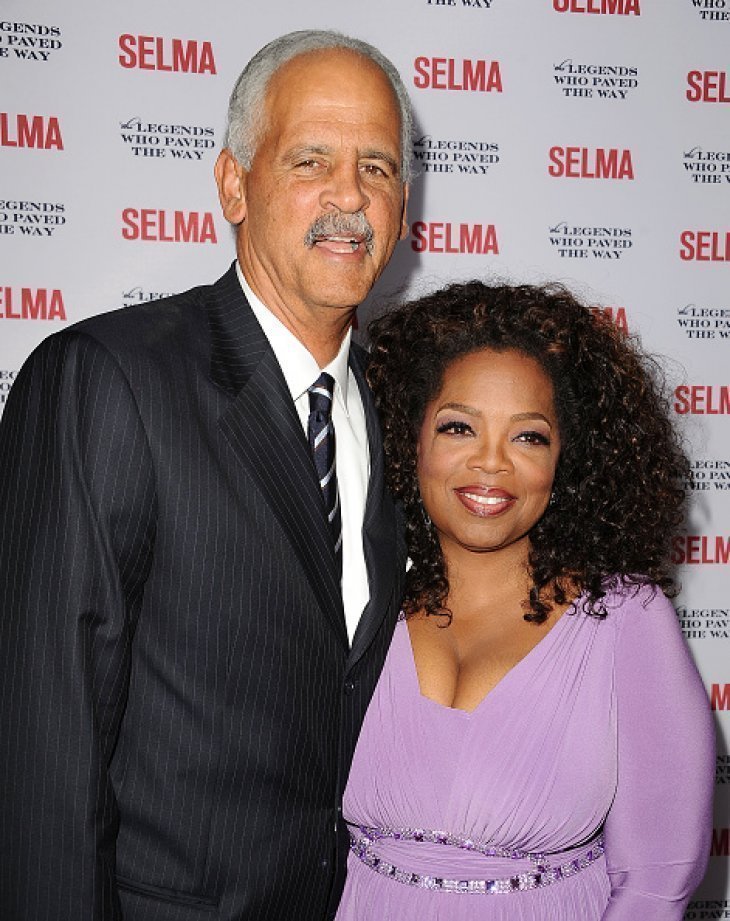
(580, 140)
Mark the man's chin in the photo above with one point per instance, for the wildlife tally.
(344, 293)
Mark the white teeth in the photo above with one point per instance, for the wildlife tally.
(349, 240)
(486, 500)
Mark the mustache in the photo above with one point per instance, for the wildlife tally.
(337, 224)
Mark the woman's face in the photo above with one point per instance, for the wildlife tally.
(487, 451)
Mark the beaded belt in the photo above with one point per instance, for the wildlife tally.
(363, 839)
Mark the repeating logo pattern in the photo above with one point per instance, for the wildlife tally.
(560, 139)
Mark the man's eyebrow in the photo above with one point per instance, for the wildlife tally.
(369, 153)
(303, 150)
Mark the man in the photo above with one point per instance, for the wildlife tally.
(190, 500)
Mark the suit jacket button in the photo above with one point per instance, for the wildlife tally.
(349, 687)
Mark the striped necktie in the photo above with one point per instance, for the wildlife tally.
(321, 434)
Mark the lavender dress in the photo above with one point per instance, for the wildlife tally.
(603, 728)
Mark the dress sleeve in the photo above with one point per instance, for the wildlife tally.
(77, 503)
(658, 828)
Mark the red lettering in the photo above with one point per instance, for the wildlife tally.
(30, 134)
(702, 399)
(186, 230)
(206, 63)
(128, 58)
(681, 400)
(53, 135)
(150, 52)
(451, 74)
(695, 550)
(470, 239)
(602, 7)
(32, 131)
(421, 78)
(184, 56)
(708, 86)
(616, 315)
(35, 304)
(720, 700)
(419, 243)
(704, 246)
(694, 79)
(150, 224)
(686, 250)
(584, 163)
(475, 75)
(438, 237)
(159, 59)
(7, 312)
(722, 551)
(146, 58)
(130, 231)
(555, 167)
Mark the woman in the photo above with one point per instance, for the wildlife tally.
(539, 746)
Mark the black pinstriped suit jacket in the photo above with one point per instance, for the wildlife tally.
(179, 704)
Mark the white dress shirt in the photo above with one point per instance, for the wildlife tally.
(352, 456)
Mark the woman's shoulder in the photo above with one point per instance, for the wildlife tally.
(641, 610)
(628, 594)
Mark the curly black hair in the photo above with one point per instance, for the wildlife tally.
(619, 487)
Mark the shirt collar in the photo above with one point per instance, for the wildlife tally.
(297, 363)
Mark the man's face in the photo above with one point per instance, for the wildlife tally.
(323, 204)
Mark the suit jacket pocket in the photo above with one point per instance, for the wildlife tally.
(182, 906)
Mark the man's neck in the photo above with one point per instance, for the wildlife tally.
(321, 334)
(322, 340)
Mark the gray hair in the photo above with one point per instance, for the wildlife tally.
(246, 105)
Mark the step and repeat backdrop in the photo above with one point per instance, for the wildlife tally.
(581, 140)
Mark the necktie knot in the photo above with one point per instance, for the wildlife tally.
(321, 395)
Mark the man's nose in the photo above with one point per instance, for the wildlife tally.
(344, 190)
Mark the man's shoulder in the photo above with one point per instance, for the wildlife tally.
(156, 333)
(160, 323)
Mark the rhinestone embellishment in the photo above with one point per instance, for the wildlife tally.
(363, 838)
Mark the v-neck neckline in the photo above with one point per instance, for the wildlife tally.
(468, 714)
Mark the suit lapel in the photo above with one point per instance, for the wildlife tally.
(262, 426)
(379, 529)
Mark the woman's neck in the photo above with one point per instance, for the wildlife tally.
(481, 583)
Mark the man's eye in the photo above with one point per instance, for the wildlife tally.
(373, 169)
(454, 427)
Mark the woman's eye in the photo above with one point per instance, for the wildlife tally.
(454, 427)
(533, 438)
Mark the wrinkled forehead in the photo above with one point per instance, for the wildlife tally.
(333, 78)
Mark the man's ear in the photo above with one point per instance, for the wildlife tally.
(404, 214)
(230, 179)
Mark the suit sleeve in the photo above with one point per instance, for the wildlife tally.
(659, 826)
(77, 506)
